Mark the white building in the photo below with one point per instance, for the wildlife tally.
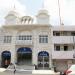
(24, 42)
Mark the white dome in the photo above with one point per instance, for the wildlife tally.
(43, 11)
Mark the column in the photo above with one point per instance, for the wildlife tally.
(35, 51)
(13, 49)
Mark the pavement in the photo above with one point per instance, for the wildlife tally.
(7, 72)
(25, 70)
(37, 72)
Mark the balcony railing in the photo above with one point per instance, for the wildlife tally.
(63, 54)
(23, 42)
(64, 39)
(15, 40)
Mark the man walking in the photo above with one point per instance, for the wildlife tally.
(14, 68)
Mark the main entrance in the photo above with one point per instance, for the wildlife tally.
(24, 56)
(43, 60)
(6, 58)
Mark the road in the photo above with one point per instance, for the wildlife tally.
(10, 73)
(27, 72)
(16, 73)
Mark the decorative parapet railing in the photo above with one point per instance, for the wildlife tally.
(63, 54)
(23, 42)
(64, 39)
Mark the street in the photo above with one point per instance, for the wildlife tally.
(7, 72)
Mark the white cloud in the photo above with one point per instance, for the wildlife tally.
(8, 5)
(67, 11)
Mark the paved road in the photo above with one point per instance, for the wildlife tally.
(27, 72)
(21, 73)
(16, 73)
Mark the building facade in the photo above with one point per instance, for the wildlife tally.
(24, 42)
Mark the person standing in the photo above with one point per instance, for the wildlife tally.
(14, 69)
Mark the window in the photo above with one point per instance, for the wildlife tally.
(73, 33)
(57, 48)
(58, 34)
(7, 39)
(43, 39)
(65, 33)
(65, 48)
(27, 37)
(55, 33)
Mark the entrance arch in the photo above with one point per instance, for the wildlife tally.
(24, 56)
(43, 60)
(6, 58)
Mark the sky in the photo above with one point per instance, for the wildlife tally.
(31, 7)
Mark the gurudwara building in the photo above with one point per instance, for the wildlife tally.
(24, 42)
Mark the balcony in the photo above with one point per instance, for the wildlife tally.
(23, 42)
(63, 39)
(62, 54)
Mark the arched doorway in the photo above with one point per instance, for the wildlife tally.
(43, 60)
(6, 58)
(24, 56)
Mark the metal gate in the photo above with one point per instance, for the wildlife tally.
(43, 60)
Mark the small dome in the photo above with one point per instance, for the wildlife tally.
(12, 12)
(42, 17)
(12, 17)
(43, 11)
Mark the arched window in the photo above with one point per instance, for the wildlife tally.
(43, 60)
(24, 50)
(43, 53)
(24, 55)
(6, 58)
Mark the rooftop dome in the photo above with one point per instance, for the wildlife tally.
(13, 12)
(44, 11)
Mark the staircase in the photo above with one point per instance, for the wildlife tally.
(25, 67)
(21, 69)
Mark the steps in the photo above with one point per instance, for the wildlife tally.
(25, 67)
(21, 69)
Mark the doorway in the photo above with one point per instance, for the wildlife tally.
(43, 60)
(6, 59)
(24, 56)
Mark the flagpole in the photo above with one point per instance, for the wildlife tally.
(59, 12)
